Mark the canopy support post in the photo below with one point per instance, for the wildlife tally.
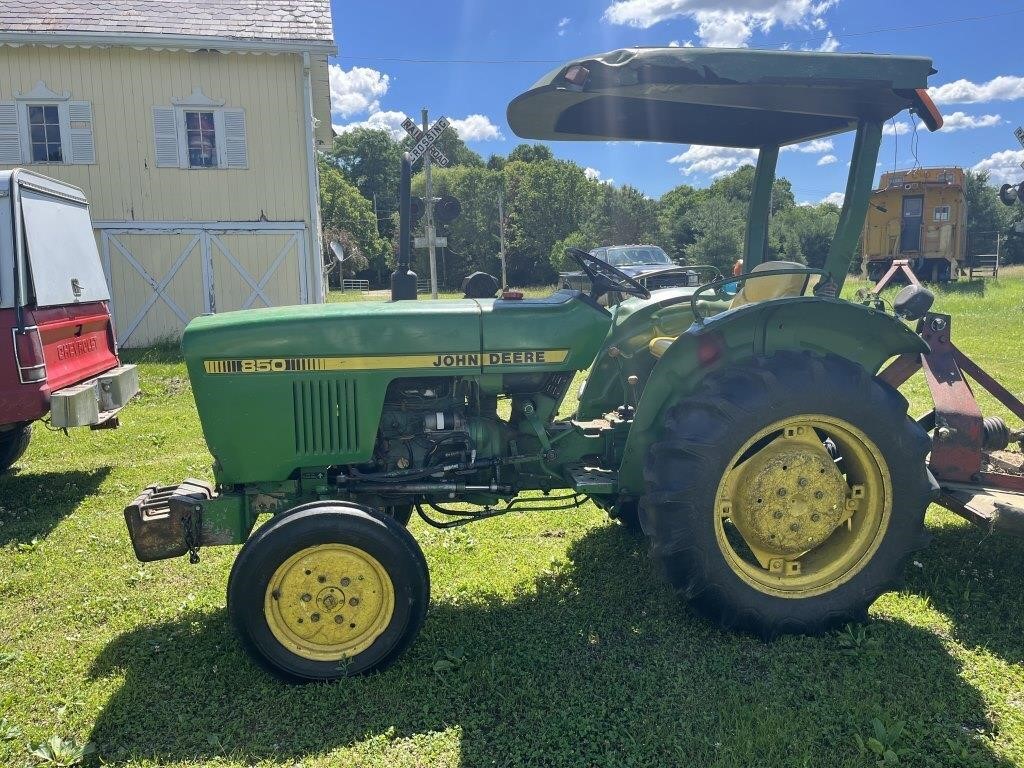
(855, 204)
(756, 245)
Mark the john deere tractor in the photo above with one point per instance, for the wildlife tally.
(740, 425)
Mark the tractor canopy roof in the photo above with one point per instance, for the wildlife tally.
(723, 97)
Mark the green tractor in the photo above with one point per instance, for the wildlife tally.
(741, 425)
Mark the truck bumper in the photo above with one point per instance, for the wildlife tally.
(95, 401)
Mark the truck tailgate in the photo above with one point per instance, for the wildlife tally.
(78, 342)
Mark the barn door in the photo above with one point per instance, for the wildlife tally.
(251, 269)
(156, 283)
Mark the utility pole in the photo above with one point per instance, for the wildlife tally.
(430, 214)
(501, 236)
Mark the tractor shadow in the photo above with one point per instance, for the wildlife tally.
(974, 578)
(596, 665)
(33, 503)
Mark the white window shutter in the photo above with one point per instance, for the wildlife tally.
(236, 153)
(10, 134)
(165, 137)
(83, 146)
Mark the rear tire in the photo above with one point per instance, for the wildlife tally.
(13, 444)
(694, 510)
(328, 590)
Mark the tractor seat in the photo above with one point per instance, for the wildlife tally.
(761, 289)
(767, 288)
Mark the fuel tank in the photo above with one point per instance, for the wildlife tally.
(289, 387)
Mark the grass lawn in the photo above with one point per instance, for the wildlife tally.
(550, 641)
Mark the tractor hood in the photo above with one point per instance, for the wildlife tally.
(723, 97)
(289, 387)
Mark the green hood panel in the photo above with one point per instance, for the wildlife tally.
(290, 387)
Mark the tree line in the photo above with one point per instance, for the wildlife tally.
(550, 204)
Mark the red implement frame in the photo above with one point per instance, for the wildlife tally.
(898, 265)
(957, 457)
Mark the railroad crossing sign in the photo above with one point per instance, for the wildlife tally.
(425, 142)
(1019, 133)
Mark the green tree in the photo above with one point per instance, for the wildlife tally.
(348, 217)
(719, 223)
(544, 204)
(675, 220)
(531, 153)
(473, 236)
(560, 261)
(371, 159)
(986, 215)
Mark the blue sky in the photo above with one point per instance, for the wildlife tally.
(466, 59)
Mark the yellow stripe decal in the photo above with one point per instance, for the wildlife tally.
(389, 362)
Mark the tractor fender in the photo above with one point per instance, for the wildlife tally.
(862, 334)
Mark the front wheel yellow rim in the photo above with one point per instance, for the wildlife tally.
(329, 602)
(803, 506)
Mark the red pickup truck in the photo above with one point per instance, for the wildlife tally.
(58, 352)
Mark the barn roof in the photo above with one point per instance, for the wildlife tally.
(292, 21)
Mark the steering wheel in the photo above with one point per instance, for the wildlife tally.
(604, 278)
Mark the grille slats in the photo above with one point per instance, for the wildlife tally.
(325, 416)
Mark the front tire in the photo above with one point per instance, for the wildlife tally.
(786, 495)
(328, 590)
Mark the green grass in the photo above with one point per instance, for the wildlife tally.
(550, 641)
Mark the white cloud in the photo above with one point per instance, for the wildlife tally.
(677, 44)
(827, 160)
(356, 90)
(717, 161)
(812, 147)
(383, 121)
(562, 24)
(1002, 167)
(595, 175)
(895, 129)
(730, 26)
(673, 43)
(958, 121)
(1002, 88)
(836, 198)
(470, 128)
(476, 128)
(830, 44)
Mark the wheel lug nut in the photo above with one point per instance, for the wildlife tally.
(321, 579)
(346, 581)
(794, 527)
(802, 482)
(315, 617)
(777, 514)
(815, 517)
(339, 619)
(819, 495)
(353, 601)
(781, 492)
(307, 597)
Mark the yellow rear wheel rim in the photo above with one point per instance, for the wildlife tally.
(329, 602)
(793, 523)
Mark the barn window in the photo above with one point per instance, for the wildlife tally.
(941, 213)
(42, 126)
(199, 132)
(201, 139)
(44, 133)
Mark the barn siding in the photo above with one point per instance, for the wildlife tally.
(123, 85)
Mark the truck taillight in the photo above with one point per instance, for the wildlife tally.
(28, 352)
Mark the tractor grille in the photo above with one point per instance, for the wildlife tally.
(325, 416)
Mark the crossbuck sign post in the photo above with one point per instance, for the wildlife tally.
(426, 147)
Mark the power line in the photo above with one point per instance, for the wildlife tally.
(810, 41)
